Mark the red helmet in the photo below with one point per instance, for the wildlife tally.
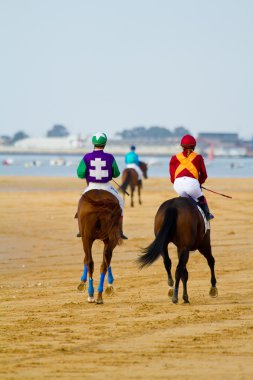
(188, 141)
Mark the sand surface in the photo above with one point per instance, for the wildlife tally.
(49, 331)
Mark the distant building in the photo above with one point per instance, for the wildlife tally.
(230, 138)
(50, 143)
(221, 144)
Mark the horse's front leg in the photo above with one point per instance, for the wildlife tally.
(206, 250)
(107, 255)
(83, 279)
(110, 280)
(167, 265)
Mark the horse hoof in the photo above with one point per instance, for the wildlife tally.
(213, 292)
(81, 286)
(174, 300)
(91, 299)
(170, 292)
(109, 290)
(99, 301)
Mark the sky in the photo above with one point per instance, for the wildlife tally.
(110, 65)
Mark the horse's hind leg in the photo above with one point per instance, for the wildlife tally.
(206, 250)
(132, 196)
(82, 284)
(181, 272)
(107, 255)
(167, 265)
(184, 279)
(88, 267)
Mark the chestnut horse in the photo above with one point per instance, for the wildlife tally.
(180, 222)
(130, 178)
(99, 218)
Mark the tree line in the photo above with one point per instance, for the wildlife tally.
(144, 133)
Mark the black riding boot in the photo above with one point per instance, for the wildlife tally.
(203, 204)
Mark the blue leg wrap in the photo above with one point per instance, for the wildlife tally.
(176, 292)
(101, 282)
(84, 275)
(90, 288)
(110, 276)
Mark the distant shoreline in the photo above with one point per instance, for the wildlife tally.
(70, 153)
(142, 151)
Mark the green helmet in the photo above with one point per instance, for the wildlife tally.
(99, 139)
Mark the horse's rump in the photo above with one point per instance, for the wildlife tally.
(189, 228)
(129, 177)
(99, 215)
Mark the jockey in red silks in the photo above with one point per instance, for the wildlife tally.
(132, 162)
(99, 168)
(188, 173)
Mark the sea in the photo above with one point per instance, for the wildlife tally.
(65, 165)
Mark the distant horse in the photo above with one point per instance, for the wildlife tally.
(130, 178)
(99, 218)
(179, 221)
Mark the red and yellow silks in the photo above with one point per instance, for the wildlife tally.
(186, 163)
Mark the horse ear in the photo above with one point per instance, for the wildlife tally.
(76, 216)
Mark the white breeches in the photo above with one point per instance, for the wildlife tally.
(187, 186)
(136, 168)
(106, 187)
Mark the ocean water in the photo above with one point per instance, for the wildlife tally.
(60, 165)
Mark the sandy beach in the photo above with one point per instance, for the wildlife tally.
(49, 331)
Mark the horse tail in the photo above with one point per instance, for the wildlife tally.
(126, 181)
(162, 239)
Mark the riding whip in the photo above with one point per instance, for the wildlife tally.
(124, 191)
(215, 192)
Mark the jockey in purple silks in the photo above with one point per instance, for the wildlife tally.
(98, 168)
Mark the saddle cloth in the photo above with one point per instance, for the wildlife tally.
(207, 223)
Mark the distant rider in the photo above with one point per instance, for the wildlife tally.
(99, 168)
(132, 162)
(188, 173)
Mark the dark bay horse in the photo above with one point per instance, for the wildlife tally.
(130, 178)
(99, 218)
(179, 221)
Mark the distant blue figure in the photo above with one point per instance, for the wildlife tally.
(132, 161)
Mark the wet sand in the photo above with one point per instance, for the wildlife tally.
(49, 331)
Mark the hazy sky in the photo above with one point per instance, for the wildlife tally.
(109, 65)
